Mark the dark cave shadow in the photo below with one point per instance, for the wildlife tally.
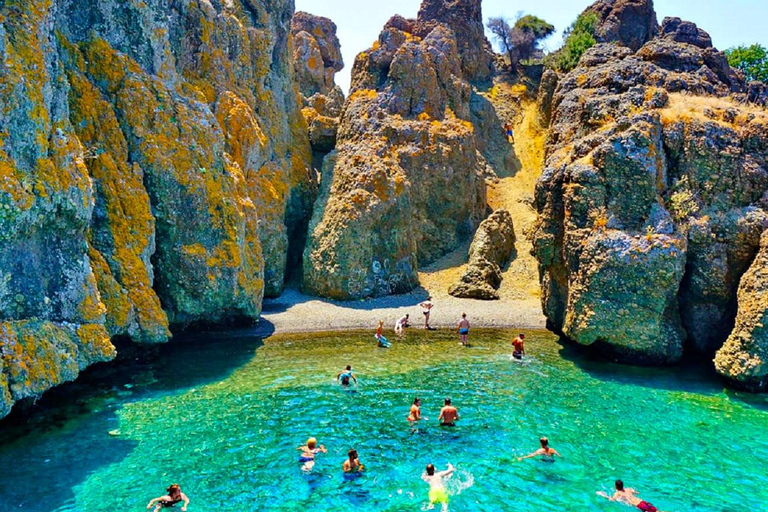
(43, 439)
(689, 376)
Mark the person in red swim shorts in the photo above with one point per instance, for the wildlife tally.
(629, 497)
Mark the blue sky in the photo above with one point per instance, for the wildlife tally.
(729, 22)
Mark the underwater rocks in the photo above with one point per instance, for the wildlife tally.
(651, 204)
(316, 59)
(491, 249)
(153, 163)
(405, 184)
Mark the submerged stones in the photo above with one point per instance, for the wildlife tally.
(491, 249)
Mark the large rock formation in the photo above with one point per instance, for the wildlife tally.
(491, 249)
(317, 59)
(631, 23)
(153, 163)
(405, 184)
(651, 205)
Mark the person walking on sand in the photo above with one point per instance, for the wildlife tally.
(415, 413)
(547, 454)
(380, 335)
(519, 346)
(463, 329)
(436, 481)
(401, 324)
(426, 307)
(449, 415)
(346, 375)
(629, 497)
(308, 452)
(173, 497)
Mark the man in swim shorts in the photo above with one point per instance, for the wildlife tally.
(547, 454)
(449, 415)
(173, 497)
(308, 452)
(401, 324)
(426, 308)
(629, 497)
(345, 376)
(463, 329)
(352, 464)
(436, 481)
(519, 346)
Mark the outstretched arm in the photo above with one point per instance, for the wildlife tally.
(447, 472)
(186, 502)
(354, 378)
(531, 455)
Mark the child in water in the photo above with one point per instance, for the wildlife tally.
(383, 343)
(308, 452)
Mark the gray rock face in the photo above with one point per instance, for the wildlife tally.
(631, 23)
(651, 203)
(491, 249)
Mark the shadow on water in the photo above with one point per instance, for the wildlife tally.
(691, 376)
(81, 416)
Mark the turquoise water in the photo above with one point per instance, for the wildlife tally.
(222, 416)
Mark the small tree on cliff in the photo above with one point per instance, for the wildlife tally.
(520, 41)
(579, 38)
(751, 60)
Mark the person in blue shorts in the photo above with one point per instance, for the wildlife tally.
(463, 329)
(308, 452)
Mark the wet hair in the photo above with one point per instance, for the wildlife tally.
(416, 400)
(311, 442)
(430, 469)
(352, 454)
(619, 485)
(173, 490)
(447, 401)
(349, 367)
(544, 442)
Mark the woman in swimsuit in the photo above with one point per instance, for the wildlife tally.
(426, 307)
(380, 335)
(415, 413)
(173, 497)
(308, 452)
(547, 454)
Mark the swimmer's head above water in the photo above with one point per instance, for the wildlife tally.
(430, 469)
(352, 454)
(311, 442)
(417, 401)
(447, 401)
(544, 442)
(619, 485)
(349, 367)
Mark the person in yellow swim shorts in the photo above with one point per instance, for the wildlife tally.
(436, 481)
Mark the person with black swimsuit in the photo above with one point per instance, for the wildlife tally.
(173, 497)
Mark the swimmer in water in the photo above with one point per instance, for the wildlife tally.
(463, 329)
(449, 415)
(308, 452)
(345, 376)
(629, 497)
(380, 335)
(519, 346)
(352, 464)
(415, 413)
(436, 481)
(173, 497)
(547, 454)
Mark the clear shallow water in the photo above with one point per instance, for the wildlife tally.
(223, 417)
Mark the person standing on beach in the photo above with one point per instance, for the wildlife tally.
(401, 324)
(463, 329)
(436, 481)
(519, 346)
(629, 497)
(547, 454)
(426, 307)
(449, 415)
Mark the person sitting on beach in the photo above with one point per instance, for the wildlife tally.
(346, 375)
(436, 481)
(415, 414)
(401, 324)
(463, 329)
(173, 497)
(519, 346)
(628, 497)
(308, 452)
(352, 464)
(426, 307)
(547, 454)
(380, 335)
(449, 415)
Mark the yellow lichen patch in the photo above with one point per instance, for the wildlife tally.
(94, 343)
(241, 128)
(367, 94)
(376, 45)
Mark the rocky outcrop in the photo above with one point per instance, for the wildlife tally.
(651, 203)
(744, 357)
(405, 183)
(631, 23)
(153, 164)
(316, 59)
(491, 249)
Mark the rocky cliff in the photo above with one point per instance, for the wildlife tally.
(154, 164)
(652, 202)
(405, 184)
